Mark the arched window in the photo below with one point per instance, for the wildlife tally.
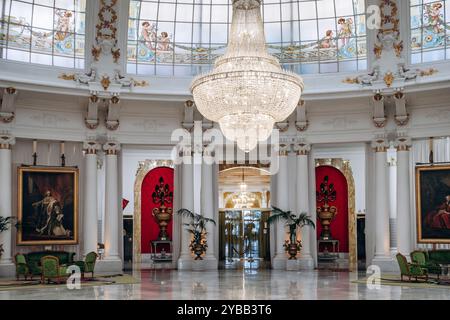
(47, 32)
(183, 37)
(430, 30)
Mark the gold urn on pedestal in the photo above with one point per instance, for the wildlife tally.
(325, 212)
(162, 216)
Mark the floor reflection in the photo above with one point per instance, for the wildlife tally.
(248, 284)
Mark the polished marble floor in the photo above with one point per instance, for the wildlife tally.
(235, 284)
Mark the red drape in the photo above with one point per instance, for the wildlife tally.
(149, 228)
(339, 226)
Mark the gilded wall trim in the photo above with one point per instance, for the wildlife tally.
(143, 169)
(345, 167)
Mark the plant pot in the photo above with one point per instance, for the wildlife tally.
(292, 251)
(198, 249)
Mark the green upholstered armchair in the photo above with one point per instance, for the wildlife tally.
(411, 270)
(21, 266)
(51, 269)
(421, 258)
(88, 265)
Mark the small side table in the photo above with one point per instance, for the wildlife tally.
(162, 256)
(326, 255)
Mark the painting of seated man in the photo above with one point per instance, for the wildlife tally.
(433, 203)
(47, 205)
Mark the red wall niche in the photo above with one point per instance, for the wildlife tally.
(339, 226)
(149, 227)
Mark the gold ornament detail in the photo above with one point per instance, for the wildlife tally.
(67, 76)
(105, 82)
(389, 79)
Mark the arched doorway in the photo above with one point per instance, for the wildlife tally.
(145, 228)
(244, 202)
(341, 245)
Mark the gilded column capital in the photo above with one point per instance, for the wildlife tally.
(91, 146)
(302, 148)
(111, 147)
(380, 144)
(185, 150)
(284, 149)
(7, 141)
(403, 143)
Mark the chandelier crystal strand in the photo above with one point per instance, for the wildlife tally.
(247, 91)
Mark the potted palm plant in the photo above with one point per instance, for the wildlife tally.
(292, 246)
(197, 227)
(4, 225)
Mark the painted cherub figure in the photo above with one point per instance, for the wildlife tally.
(345, 30)
(434, 14)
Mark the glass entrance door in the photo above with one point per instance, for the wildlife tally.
(244, 235)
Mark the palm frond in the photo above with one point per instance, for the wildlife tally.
(186, 213)
(278, 214)
(305, 220)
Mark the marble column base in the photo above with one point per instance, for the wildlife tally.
(184, 262)
(7, 270)
(211, 262)
(293, 265)
(109, 266)
(306, 263)
(386, 264)
(279, 262)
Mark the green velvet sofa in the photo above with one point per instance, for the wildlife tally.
(33, 260)
(439, 256)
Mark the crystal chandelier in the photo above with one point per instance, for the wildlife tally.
(243, 199)
(247, 91)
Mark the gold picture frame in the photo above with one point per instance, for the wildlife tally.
(47, 205)
(433, 204)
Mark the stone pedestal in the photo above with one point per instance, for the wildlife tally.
(293, 265)
(199, 265)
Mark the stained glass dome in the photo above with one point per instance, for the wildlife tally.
(430, 30)
(50, 32)
(184, 37)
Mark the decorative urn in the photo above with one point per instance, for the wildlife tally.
(325, 212)
(162, 214)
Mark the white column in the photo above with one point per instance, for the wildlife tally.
(6, 262)
(306, 259)
(392, 164)
(382, 248)
(207, 203)
(187, 202)
(90, 218)
(282, 202)
(112, 230)
(403, 145)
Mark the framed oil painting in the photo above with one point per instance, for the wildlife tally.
(47, 206)
(433, 204)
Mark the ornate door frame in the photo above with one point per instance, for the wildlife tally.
(144, 168)
(345, 168)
